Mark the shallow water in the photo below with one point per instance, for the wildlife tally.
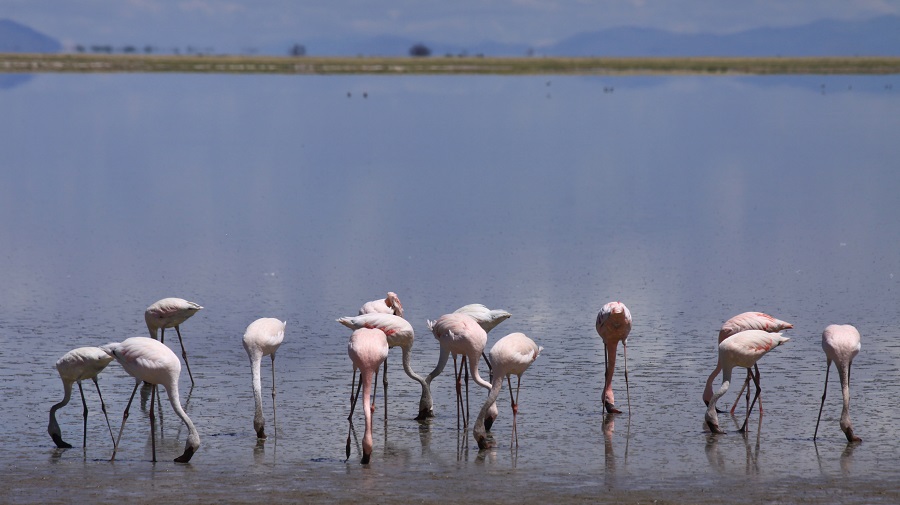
(690, 199)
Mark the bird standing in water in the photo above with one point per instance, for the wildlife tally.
(74, 366)
(170, 313)
(511, 355)
(368, 347)
(742, 349)
(262, 338)
(150, 361)
(613, 326)
(841, 345)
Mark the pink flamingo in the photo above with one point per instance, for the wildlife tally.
(488, 319)
(367, 349)
(74, 366)
(170, 313)
(742, 349)
(613, 326)
(512, 354)
(841, 345)
(459, 333)
(150, 361)
(399, 334)
(737, 324)
(262, 338)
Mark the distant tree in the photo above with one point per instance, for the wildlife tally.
(148, 49)
(79, 48)
(298, 50)
(419, 51)
(129, 49)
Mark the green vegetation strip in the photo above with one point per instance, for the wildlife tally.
(83, 63)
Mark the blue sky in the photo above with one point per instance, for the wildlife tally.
(235, 24)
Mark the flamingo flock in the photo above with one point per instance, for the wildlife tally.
(742, 341)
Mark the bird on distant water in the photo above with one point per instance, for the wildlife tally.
(399, 334)
(368, 347)
(262, 338)
(74, 366)
(841, 345)
(457, 334)
(150, 361)
(737, 324)
(742, 349)
(613, 325)
(511, 355)
(170, 313)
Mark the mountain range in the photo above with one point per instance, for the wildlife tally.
(879, 36)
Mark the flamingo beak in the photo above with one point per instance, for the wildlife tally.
(482, 443)
(184, 458)
(57, 439)
(488, 422)
(365, 459)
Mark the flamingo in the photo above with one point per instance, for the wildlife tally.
(841, 345)
(170, 313)
(512, 354)
(150, 361)
(741, 349)
(368, 347)
(737, 324)
(74, 366)
(613, 326)
(460, 334)
(399, 334)
(262, 338)
(488, 319)
(388, 305)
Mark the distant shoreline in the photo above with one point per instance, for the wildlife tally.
(131, 63)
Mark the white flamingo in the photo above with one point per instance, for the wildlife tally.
(459, 333)
(75, 366)
(400, 334)
(488, 319)
(613, 325)
(742, 322)
(841, 345)
(511, 355)
(741, 349)
(368, 347)
(262, 338)
(150, 361)
(170, 313)
(387, 305)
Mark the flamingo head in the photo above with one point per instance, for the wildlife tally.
(483, 442)
(712, 420)
(190, 447)
(393, 302)
(365, 459)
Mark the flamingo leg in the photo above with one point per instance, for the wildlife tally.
(750, 409)
(456, 373)
(103, 408)
(515, 408)
(124, 418)
(490, 369)
(353, 399)
(153, 422)
(384, 382)
(274, 410)
(85, 415)
(741, 392)
(374, 391)
(758, 400)
(625, 363)
(184, 355)
(464, 369)
(827, 369)
(609, 361)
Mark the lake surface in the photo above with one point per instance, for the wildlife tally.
(690, 199)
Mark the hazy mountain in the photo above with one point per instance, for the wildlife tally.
(18, 38)
(874, 37)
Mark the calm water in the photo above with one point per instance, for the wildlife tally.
(690, 199)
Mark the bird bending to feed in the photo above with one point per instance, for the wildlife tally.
(150, 361)
(262, 338)
(742, 349)
(75, 366)
(170, 313)
(613, 326)
(742, 322)
(841, 345)
(399, 334)
(460, 334)
(368, 347)
(488, 319)
(511, 355)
